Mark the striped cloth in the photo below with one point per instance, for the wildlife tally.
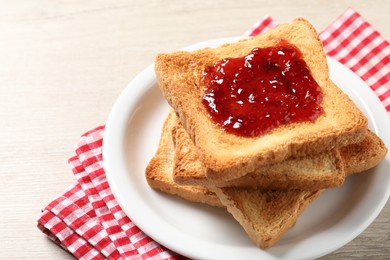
(88, 222)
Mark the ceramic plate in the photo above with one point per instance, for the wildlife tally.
(202, 232)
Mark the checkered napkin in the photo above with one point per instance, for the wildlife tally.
(88, 222)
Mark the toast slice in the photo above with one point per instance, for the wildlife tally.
(285, 175)
(363, 155)
(160, 168)
(228, 156)
(314, 172)
(265, 215)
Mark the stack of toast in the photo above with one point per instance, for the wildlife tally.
(264, 181)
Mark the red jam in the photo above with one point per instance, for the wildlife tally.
(249, 96)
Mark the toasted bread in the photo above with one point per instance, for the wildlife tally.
(363, 155)
(314, 172)
(160, 168)
(265, 215)
(227, 156)
(352, 158)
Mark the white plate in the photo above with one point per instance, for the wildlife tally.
(199, 231)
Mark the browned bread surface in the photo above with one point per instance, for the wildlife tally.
(160, 169)
(363, 155)
(353, 158)
(313, 172)
(227, 156)
(265, 215)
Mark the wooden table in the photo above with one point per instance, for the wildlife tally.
(64, 63)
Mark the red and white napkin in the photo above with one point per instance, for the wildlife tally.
(88, 222)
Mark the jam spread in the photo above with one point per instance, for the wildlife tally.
(249, 96)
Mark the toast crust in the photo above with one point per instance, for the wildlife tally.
(265, 215)
(314, 172)
(286, 175)
(364, 155)
(159, 172)
(227, 156)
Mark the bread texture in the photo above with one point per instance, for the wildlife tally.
(160, 168)
(264, 214)
(364, 155)
(313, 172)
(267, 214)
(289, 174)
(227, 156)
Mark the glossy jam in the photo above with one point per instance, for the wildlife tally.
(251, 95)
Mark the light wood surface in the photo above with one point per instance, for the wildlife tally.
(64, 63)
